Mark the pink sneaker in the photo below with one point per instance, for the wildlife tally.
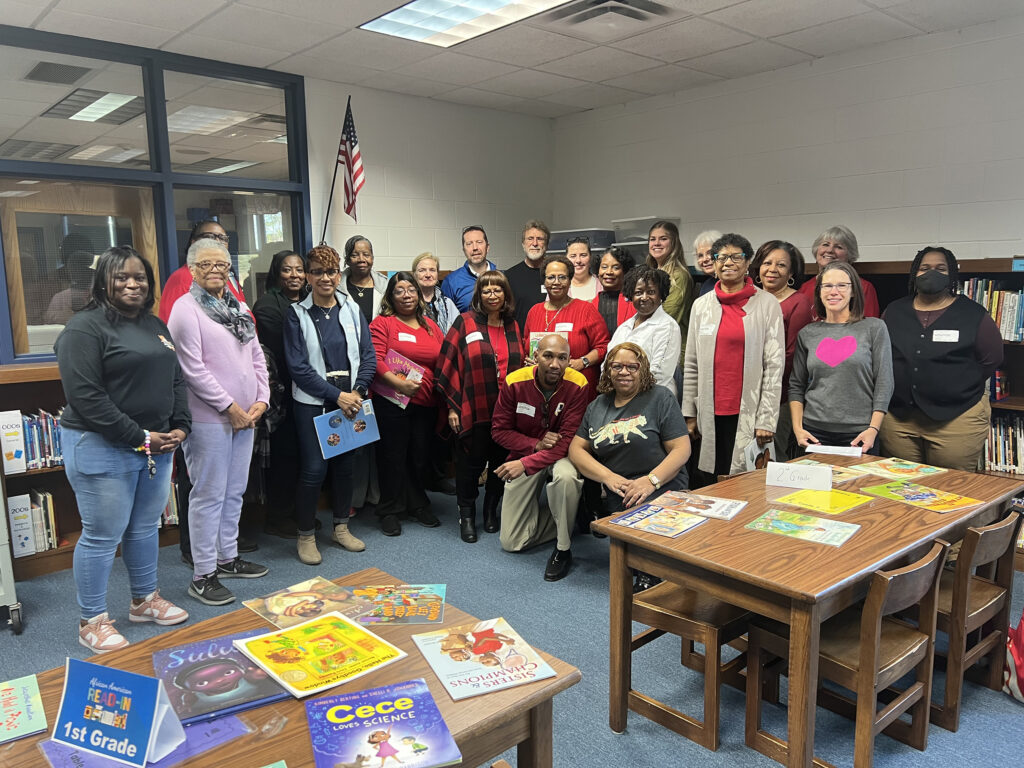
(156, 608)
(99, 635)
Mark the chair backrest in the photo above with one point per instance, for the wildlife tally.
(982, 546)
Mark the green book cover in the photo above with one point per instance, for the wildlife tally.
(21, 709)
(805, 527)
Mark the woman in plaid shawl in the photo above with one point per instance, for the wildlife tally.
(481, 348)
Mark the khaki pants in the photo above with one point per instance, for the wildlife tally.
(524, 525)
(954, 444)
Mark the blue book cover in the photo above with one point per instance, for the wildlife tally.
(211, 678)
(339, 434)
(398, 724)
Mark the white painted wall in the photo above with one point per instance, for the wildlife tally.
(911, 143)
(432, 168)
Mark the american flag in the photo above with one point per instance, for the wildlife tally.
(351, 160)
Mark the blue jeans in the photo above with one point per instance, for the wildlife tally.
(312, 471)
(119, 504)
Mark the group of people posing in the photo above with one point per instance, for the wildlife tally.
(582, 379)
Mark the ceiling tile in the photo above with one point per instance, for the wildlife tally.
(937, 15)
(413, 86)
(684, 40)
(599, 64)
(698, 6)
(456, 68)
(666, 79)
(19, 14)
(768, 18)
(846, 34)
(478, 98)
(278, 31)
(369, 49)
(109, 30)
(347, 13)
(758, 56)
(522, 45)
(178, 16)
(529, 83)
(191, 44)
(593, 95)
(324, 69)
(546, 109)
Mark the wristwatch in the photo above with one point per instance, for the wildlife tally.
(654, 480)
(585, 361)
(361, 391)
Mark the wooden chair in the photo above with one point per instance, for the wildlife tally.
(865, 651)
(694, 617)
(974, 607)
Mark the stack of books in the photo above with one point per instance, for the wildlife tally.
(1005, 306)
(33, 523)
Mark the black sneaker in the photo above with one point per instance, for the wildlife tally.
(426, 518)
(209, 590)
(390, 526)
(558, 565)
(241, 569)
(246, 544)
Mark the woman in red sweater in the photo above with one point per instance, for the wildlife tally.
(402, 330)
(580, 323)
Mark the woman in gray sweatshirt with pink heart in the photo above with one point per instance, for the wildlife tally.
(842, 368)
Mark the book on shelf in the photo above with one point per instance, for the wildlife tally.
(998, 386)
(22, 533)
(1004, 305)
(12, 442)
(805, 527)
(403, 368)
(21, 708)
(170, 514)
(44, 521)
(481, 657)
(1003, 448)
(43, 446)
(399, 721)
(319, 654)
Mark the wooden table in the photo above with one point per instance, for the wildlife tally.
(483, 726)
(798, 582)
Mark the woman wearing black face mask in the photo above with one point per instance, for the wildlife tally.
(944, 349)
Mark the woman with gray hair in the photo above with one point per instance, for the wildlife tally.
(838, 243)
(705, 258)
(228, 392)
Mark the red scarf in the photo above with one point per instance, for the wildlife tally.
(729, 349)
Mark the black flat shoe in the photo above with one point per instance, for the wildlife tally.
(558, 565)
(390, 526)
(467, 529)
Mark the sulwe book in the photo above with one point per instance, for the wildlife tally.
(402, 603)
(211, 678)
(931, 499)
(402, 367)
(481, 657)
(696, 504)
(319, 654)
(21, 708)
(400, 722)
(663, 521)
(805, 527)
(338, 434)
(308, 600)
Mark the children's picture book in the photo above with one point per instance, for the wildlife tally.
(805, 527)
(536, 336)
(211, 678)
(758, 456)
(481, 657)
(319, 654)
(398, 723)
(308, 600)
(840, 474)
(663, 521)
(338, 434)
(931, 499)
(828, 502)
(900, 469)
(402, 603)
(403, 368)
(696, 504)
(21, 708)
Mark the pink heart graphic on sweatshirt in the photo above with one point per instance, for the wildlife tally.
(834, 351)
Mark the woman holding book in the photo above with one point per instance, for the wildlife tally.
(944, 349)
(331, 360)
(127, 412)
(481, 349)
(407, 344)
(228, 393)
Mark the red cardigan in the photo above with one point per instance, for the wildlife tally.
(583, 325)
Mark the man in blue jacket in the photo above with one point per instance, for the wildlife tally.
(459, 285)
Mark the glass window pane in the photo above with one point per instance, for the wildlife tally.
(51, 233)
(226, 128)
(258, 225)
(69, 109)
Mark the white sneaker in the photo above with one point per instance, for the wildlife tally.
(158, 609)
(99, 635)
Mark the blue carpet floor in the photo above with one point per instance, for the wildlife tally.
(568, 619)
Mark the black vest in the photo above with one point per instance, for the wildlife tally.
(940, 378)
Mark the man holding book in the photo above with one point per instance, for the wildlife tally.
(536, 416)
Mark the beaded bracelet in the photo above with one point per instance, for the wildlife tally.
(149, 455)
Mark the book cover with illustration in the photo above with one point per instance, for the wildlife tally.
(900, 469)
(338, 434)
(663, 521)
(481, 657)
(536, 336)
(805, 527)
(402, 603)
(308, 600)
(211, 678)
(400, 722)
(931, 499)
(696, 504)
(402, 367)
(21, 708)
(827, 502)
(319, 654)
(840, 474)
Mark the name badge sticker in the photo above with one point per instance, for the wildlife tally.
(406, 337)
(474, 336)
(945, 335)
(563, 327)
(526, 409)
(708, 329)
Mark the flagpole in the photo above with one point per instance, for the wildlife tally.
(330, 197)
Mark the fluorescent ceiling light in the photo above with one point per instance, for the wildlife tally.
(16, 193)
(205, 120)
(124, 154)
(101, 107)
(90, 152)
(29, 181)
(282, 139)
(233, 167)
(445, 23)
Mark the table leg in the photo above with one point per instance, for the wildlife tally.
(620, 611)
(535, 752)
(804, 634)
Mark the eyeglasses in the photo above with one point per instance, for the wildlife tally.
(556, 278)
(841, 287)
(721, 258)
(322, 272)
(212, 236)
(209, 266)
(492, 292)
(620, 367)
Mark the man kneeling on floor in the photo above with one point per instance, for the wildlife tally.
(536, 416)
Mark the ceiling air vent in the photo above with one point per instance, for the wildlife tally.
(58, 74)
(18, 149)
(602, 21)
